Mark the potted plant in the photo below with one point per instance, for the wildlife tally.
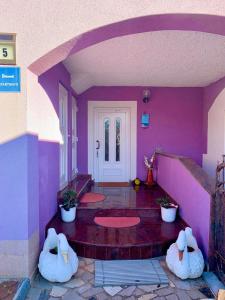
(168, 209)
(68, 205)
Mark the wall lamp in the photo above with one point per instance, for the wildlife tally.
(146, 95)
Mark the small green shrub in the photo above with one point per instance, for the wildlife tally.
(164, 202)
(69, 199)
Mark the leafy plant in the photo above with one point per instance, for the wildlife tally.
(165, 202)
(69, 199)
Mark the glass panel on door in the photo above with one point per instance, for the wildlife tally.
(118, 125)
(106, 132)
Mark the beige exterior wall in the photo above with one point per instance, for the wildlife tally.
(19, 258)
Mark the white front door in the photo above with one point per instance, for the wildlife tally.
(74, 137)
(63, 124)
(112, 145)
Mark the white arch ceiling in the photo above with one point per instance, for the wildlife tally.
(161, 58)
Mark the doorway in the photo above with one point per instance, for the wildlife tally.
(112, 140)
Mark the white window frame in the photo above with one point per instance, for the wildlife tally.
(63, 126)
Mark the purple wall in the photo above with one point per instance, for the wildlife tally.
(19, 188)
(193, 199)
(175, 116)
(210, 93)
(49, 151)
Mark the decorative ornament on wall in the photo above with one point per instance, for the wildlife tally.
(145, 120)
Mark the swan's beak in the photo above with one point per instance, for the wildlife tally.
(65, 257)
(181, 254)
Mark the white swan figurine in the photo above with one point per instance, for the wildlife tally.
(58, 267)
(196, 260)
(184, 258)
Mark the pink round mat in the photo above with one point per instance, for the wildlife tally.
(117, 222)
(92, 197)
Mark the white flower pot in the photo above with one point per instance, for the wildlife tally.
(68, 216)
(169, 214)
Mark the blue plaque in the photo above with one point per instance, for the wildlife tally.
(9, 79)
(145, 119)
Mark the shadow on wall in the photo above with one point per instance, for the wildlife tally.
(19, 213)
(215, 134)
(43, 101)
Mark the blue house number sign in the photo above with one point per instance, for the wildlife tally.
(9, 79)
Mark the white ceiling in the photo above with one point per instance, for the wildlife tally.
(161, 58)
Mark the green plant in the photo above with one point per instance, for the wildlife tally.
(164, 202)
(69, 199)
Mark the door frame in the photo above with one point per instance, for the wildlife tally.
(63, 173)
(132, 106)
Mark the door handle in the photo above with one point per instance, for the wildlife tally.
(98, 144)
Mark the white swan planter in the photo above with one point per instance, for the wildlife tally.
(58, 267)
(183, 263)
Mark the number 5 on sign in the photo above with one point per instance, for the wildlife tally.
(7, 48)
(6, 52)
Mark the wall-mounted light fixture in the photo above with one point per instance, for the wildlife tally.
(146, 95)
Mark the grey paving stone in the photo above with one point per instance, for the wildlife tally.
(42, 283)
(44, 295)
(34, 294)
(131, 298)
(147, 297)
(182, 284)
(128, 291)
(182, 295)
(58, 291)
(74, 283)
(86, 276)
(153, 287)
(172, 297)
(79, 272)
(82, 264)
(72, 295)
(165, 291)
(112, 290)
(195, 294)
(92, 292)
(117, 297)
(138, 292)
(88, 261)
(90, 268)
(102, 296)
(84, 288)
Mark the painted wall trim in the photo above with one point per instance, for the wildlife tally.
(132, 105)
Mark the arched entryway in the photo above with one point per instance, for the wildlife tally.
(179, 22)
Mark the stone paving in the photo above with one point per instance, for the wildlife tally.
(81, 287)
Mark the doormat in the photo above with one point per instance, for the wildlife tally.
(92, 197)
(129, 272)
(117, 222)
(113, 184)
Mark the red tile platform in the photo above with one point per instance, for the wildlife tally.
(150, 238)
